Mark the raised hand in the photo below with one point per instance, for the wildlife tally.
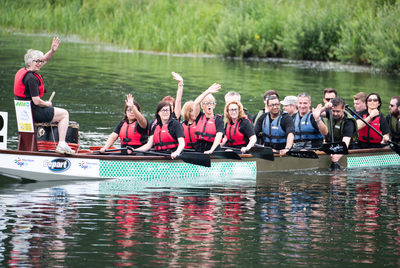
(373, 113)
(55, 44)
(214, 88)
(177, 77)
(129, 100)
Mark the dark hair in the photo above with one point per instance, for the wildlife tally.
(126, 108)
(273, 97)
(379, 99)
(161, 105)
(337, 101)
(270, 92)
(397, 98)
(330, 90)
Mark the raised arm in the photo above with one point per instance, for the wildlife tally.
(323, 129)
(214, 88)
(178, 99)
(372, 114)
(139, 117)
(54, 47)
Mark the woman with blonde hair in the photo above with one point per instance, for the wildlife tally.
(189, 124)
(239, 131)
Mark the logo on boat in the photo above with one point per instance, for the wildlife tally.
(22, 162)
(57, 165)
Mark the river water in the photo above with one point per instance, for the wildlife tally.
(313, 218)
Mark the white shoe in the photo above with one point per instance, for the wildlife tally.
(64, 149)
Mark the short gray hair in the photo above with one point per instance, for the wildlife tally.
(31, 55)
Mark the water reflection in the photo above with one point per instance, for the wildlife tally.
(345, 218)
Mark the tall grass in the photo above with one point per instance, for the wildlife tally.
(355, 31)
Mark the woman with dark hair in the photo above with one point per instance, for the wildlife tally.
(132, 130)
(239, 131)
(167, 134)
(367, 138)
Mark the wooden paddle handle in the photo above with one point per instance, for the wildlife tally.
(52, 96)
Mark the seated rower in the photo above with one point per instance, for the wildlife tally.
(132, 130)
(167, 135)
(235, 96)
(239, 131)
(393, 119)
(189, 124)
(367, 138)
(343, 125)
(209, 127)
(309, 127)
(276, 127)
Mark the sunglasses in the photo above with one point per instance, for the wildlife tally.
(375, 100)
(328, 99)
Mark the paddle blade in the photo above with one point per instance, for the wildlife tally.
(196, 159)
(302, 154)
(395, 147)
(262, 152)
(226, 155)
(334, 148)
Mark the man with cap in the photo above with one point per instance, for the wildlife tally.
(289, 105)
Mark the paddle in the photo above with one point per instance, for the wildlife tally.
(110, 150)
(222, 154)
(395, 147)
(257, 151)
(199, 159)
(302, 154)
(334, 165)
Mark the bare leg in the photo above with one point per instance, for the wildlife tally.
(62, 117)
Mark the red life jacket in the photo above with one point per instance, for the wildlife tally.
(162, 139)
(19, 87)
(234, 136)
(190, 137)
(368, 135)
(206, 129)
(130, 136)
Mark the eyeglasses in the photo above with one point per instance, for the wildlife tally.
(129, 110)
(208, 103)
(233, 110)
(274, 105)
(391, 105)
(164, 110)
(39, 61)
(375, 100)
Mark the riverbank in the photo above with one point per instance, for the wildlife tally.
(357, 32)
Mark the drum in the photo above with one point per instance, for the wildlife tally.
(47, 135)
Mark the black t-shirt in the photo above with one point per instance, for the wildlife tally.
(139, 129)
(287, 125)
(245, 127)
(349, 127)
(32, 84)
(219, 122)
(383, 124)
(175, 129)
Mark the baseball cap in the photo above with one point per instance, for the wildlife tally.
(289, 100)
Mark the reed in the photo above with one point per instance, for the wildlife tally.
(356, 31)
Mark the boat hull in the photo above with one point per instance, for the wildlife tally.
(48, 166)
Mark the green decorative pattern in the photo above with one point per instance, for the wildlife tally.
(154, 170)
(373, 160)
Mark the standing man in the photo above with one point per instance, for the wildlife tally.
(394, 119)
(344, 127)
(360, 100)
(276, 127)
(289, 105)
(309, 127)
